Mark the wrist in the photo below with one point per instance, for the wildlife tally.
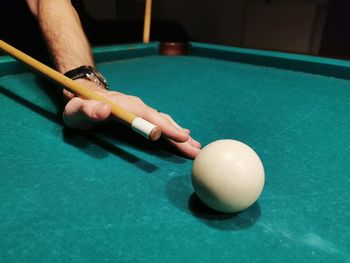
(67, 95)
(89, 73)
(90, 85)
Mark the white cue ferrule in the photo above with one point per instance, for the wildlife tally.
(142, 127)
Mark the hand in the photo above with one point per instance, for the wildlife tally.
(84, 114)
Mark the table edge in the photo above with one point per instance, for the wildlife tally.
(305, 63)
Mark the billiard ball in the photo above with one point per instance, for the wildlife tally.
(228, 176)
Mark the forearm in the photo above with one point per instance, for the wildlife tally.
(70, 48)
(63, 33)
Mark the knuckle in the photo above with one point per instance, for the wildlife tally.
(85, 108)
(137, 99)
(166, 115)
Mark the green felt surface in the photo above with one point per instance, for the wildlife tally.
(110, 196)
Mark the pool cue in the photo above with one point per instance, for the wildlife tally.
(138, 124)
(147, 21)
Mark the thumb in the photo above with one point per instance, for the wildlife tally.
(83, 114)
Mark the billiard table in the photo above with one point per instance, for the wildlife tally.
(110, 195)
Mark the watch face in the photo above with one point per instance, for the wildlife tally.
(99, 76)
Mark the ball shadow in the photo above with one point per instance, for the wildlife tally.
(180, 194)
(224, 221)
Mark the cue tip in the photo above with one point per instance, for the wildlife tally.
(146, 129)
(155, 134)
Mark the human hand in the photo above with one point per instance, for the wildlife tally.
(84, 114)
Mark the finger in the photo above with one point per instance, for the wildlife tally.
(170, 119)
(169, 130)
(186, 148)
(83, 114)
(68, 94)
(192, 141)
(195, 143)
(186, 130)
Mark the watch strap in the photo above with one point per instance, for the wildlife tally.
(89, 73)
(78, 73)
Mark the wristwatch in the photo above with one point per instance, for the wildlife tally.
(89, 73)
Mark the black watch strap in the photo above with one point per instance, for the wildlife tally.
(78, 73)
(89, 73)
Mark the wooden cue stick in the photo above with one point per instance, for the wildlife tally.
(147, 22)
(138, 124)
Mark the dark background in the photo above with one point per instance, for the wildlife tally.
(317, 27)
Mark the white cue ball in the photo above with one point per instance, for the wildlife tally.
(228, 176)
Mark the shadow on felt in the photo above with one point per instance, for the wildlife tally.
(181, 195)
(108, 137)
